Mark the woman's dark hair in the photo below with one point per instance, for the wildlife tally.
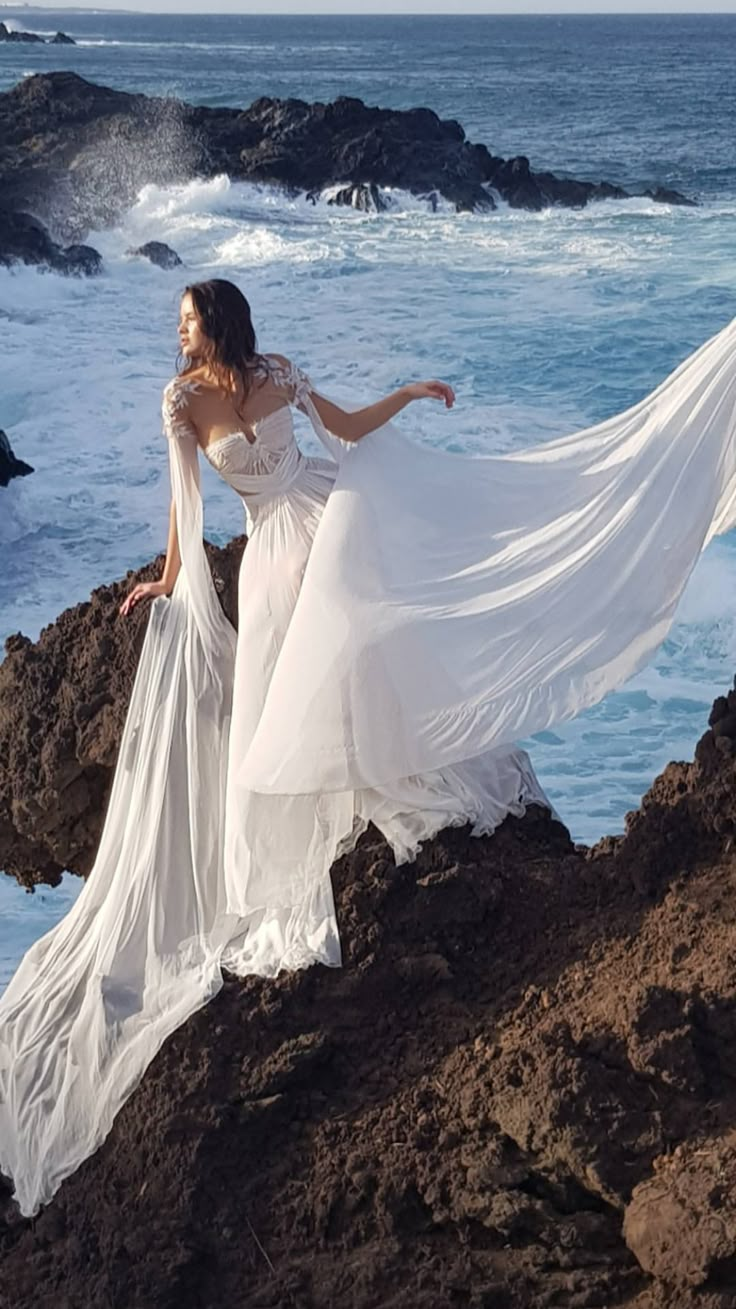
(230, 353)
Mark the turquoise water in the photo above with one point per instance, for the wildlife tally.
(541, 322)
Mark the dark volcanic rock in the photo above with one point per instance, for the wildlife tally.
(57, 752)
(6, 35)
(10, 467)
(60, 39)
(77, 154)
(367, 198)
(518, 1093)
(24, 238)
(159, 253)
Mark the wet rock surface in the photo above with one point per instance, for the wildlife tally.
(519, 1092)
(10, 465)
(25, 239)
(76, 154)
(158, 253)
(12, 36)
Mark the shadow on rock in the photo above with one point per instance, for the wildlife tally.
(519, 1092)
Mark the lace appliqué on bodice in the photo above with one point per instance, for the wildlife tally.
(292, 379)
(259, 462)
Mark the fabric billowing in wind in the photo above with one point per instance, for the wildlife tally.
(405, 616)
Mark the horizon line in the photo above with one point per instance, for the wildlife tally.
(94, 6)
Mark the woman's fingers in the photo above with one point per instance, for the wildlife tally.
(434, 388)
(143, 591)
(130, 600)
(442, 390)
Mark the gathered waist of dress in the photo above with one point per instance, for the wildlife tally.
(257, 488)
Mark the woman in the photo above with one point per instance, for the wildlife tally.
(405, 615)
(232, 404)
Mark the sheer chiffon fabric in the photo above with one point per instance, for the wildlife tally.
(404, 617)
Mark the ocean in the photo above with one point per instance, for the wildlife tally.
(542, 323)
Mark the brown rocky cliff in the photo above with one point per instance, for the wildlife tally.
(63, 701)
(518, 1093)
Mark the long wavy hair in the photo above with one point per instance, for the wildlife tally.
(230, 354)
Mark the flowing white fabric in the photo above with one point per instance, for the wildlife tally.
(403, 614)
(474, 600)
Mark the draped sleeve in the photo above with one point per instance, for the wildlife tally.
(215, 633)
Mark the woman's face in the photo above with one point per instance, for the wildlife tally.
(192, 339)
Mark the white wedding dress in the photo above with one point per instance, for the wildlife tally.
(405, 616)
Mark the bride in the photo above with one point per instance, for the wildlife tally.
(406, 615)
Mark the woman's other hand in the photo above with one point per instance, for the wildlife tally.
(143, 591)
(432, 390)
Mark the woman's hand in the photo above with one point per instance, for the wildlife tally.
(432, 390)
(143, 591)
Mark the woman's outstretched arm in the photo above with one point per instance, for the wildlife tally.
(351, 426)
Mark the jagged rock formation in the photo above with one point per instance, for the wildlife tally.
(76, 154)
(25, 238)
(157, 252)
(10, 466)
(19, 37)
(518, 1093)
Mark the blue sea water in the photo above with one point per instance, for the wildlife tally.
(541, 322)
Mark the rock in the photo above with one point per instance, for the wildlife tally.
(59, 39)
(666, 196)
(518, 1092)
(27, 37)
(76, 154)
(10, 467)
(159, 253)
(367, 198)
(38, 841)
(25, 239)
(82, 260)
(681, 1223)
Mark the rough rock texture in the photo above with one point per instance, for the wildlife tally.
(681, 1223)
(518, 1093)
(62, 707)
(75, 154)
(10, 466)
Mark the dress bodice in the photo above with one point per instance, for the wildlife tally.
(258, 464)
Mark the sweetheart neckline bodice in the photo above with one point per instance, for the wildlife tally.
(241, 434)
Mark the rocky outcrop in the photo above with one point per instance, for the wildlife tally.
(57, 746)
(21, 37)
(10, 466)
(77, 154)
(158, 253)
(25, 239)
(519, 1092)
(32, 37)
